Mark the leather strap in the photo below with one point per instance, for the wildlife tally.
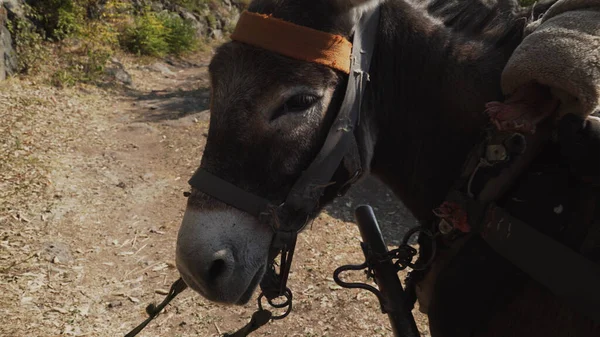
(228, 193)
(309, 187)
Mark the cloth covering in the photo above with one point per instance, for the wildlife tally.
(561, 50)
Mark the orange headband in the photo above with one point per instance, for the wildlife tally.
(295, 41)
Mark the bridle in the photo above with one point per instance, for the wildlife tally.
(290, 217)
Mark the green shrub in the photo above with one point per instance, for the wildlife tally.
(86, 66)
(63, 78)
(192, 5)
(147, 36)
(180, 35)
(159, 34)
(212, 21)
(29, 45)
(59, 18)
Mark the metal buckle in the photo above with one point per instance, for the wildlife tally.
(287, 303)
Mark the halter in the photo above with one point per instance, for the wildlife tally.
(287, 219)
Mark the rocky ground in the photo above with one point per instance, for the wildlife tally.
(91, 197)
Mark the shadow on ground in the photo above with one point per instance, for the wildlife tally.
(393, 218)
(164, 105)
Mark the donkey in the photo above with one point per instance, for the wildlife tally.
(435, 65)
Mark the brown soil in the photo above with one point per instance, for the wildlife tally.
(91, 197)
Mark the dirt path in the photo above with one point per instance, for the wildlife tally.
(89, 240)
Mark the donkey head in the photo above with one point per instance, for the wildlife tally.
(269, 117)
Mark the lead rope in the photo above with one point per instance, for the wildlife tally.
(153, 310)
(259, 317)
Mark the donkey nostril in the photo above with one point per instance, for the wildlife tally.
(216, 269)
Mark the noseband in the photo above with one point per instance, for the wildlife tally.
(287, 219)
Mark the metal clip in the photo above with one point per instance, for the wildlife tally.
(495, 153)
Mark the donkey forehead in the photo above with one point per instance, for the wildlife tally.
(242, 72)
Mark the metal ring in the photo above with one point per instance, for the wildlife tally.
(287, 303)
(280, 305)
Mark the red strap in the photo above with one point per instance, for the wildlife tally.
(453, 214)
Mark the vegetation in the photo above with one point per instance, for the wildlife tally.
(84, 34)
(158, 34)
(59, 19)
(28, 44)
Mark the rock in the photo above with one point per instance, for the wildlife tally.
(161, 68)
(2, 63)
(141, 128)
(57, 252)
(14, 8)
(117, 71)
(114, 304)
(200, 27)
(216, 34)
(8, 56)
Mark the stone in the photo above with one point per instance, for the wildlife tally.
(118, 72)
(14, 7)
(57, 252)
(8, 56)
(200, 27)
(216, 34)
(161, 68)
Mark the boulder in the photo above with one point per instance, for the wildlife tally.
(117, 71)
(14, 8)
(8, 56)
(200, 26)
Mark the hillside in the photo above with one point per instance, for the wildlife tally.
(70, 41)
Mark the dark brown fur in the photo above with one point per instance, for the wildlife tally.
(429, 84)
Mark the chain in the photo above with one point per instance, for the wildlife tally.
(402, 257)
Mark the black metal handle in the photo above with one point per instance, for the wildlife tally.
(385, 275)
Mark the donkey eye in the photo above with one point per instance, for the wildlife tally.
(297, 103)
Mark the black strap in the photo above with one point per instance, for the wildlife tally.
(153, 310)
(228, 193)
(307, 190)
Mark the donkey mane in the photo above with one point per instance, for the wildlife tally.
(456, 54)
(492, 19)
